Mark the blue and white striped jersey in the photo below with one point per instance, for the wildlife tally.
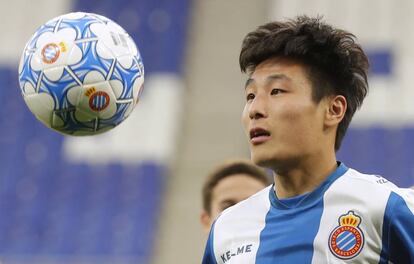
(350, 218)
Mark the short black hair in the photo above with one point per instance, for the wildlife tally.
(228, 169)
(334, 62)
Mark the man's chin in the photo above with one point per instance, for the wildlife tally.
(262, 161)
(271, 161)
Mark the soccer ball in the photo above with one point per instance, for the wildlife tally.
(81, 74)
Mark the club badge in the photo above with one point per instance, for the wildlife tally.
(347, 239)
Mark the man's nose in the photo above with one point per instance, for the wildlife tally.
(257, 108)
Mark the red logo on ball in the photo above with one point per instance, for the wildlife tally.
(99, 101)
(50, 53)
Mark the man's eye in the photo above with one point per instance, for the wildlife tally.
(249, 96)
(227, 205)
(276, 91)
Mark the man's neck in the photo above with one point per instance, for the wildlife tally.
(305, 177)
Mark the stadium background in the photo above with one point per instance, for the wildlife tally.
(133, 195)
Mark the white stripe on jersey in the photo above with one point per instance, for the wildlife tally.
(227, 248)
(350, 193)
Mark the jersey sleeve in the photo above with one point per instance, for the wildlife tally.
(209, 257)
(398, 228)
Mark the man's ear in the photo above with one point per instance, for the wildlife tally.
(336, 109)
(205, 220)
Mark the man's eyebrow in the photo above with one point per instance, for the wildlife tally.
(228, 201)
(277, 76)
(248, 82)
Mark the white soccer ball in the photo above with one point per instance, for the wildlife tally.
(81, 74)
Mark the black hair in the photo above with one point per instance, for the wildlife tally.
(334, 62)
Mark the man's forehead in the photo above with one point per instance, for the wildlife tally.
(276, 69)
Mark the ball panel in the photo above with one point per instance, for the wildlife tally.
(133, 50)
(83, 116)
(129, 108)
(137, 88)
(52, 49)
(54, 74)
(27, 75)
(74, 55)
(97, 100)
(100, 18)
(73, 95)
(42, 105)
(28, 89)
(117, 88)
(103, 52)
(93, 77)
(73, 16)
(57, 121)
(126, 61)
(113, 37)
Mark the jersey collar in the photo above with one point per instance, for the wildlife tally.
(307, 198)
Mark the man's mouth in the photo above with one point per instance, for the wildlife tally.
(259, 135)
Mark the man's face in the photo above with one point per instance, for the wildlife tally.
(282, 122)
(229, 191)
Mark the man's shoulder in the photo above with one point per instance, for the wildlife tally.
(371, 181)
(371, 187)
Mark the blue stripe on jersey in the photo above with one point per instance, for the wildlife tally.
(209, 256)
(284, 238)
(397, 232)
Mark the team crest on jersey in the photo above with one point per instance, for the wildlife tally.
(347, 239)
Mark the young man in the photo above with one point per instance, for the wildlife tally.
(230, 183)
(305, 81)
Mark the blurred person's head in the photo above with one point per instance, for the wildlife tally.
(228, 184)
(306, 80)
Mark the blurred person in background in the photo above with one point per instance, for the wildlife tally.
(305, 81)
(228, 184)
